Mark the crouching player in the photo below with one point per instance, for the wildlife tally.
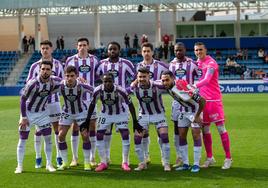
(192, 105)
(74, 111)
(112, 98)
(151, 110)
(33, 108)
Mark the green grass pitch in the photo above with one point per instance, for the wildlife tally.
(246, 121)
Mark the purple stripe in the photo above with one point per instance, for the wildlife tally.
(79, 98)
(110, 110)
(105, 67)
(173, 69)
(41, 99)
(155, 70)
(32, 70)
(30, 89)
(131, 66)
(139, 98)
(64, 97)
(72, 103)
(33, 98)
(84, 62)
(120, 76)
(92, 71)
(188, 71)
(155, 96)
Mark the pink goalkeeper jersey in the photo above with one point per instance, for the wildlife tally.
(208, 82)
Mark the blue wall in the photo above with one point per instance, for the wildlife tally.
(10, 91)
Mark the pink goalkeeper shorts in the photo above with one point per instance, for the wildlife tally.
(213, 112)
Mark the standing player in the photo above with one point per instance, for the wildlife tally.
(156, 68)
(33, 102)
(85, 64)
(53, 100)
(151, 110)
(122, 69)
(192, 101)
(74, 110)
(183, 68)
(113, 111)
(213, 111)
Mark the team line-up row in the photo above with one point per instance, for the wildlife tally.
(195, 106)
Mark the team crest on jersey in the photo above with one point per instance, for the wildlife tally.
(151, 74)
(179, 73)
(109, 102)
(71, 97)
(114, 72)
(84, 68)
(147, 99)
(44, 93)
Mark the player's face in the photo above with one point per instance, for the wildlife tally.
(46, 51)
(167, 81)
(113, 51)
(45, 71)
(70, 78)
(108, 83)
(200, 51)
(143, 79)
(82, 47)
(147, 53)
(179, 51)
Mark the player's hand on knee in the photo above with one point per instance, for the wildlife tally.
(198, 120)
(137, 126)
(23, 123)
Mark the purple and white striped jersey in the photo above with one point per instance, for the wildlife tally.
(156, 68)
(186, 69)
(57, 70)
(73, 97)
(150, 100)
(112, 101)
(34, 95)
(86, 69)
(121, 70)
(185, 106)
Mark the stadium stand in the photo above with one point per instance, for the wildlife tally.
(7, 61)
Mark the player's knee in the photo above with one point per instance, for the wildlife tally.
(206, 129)
(24, 135)
(137, 139)
(221, 129)
(164, 137)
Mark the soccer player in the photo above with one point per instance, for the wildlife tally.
(85, 64)
(183, 68)
(46, 49)
(151, 110)
(156, 68)
(193, 105)
(123, 70)
(113, 111)
(213, 111)
(34, 97)
(74, 110)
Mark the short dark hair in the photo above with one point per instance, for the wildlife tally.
(168, 72)
(180, 44)
(199, 44)
(46, 42)
(144, 70)
(46, 63)
(108, 74)
(83, 39)
(70, 69)
(147, 44)
(114, 43)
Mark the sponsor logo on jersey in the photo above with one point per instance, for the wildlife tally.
(109, 102)
(43, 93)
(179, 73)
(71, 97)
(84, 68)
(147, 99)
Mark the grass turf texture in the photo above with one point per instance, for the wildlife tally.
(246, 121)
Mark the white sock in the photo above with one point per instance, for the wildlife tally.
(64, 154)
(125, 150)
(139, 152)
(166, 152)
(177, 145)
(160, 143)
(56, 137)
(107, 142)
(37, 146)
(145, 143)
(101, 148)
(93, 147)
(20, 151)
(197, 154)
(184, 154)
(86, 153)
(48, 148)
(74, 146)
